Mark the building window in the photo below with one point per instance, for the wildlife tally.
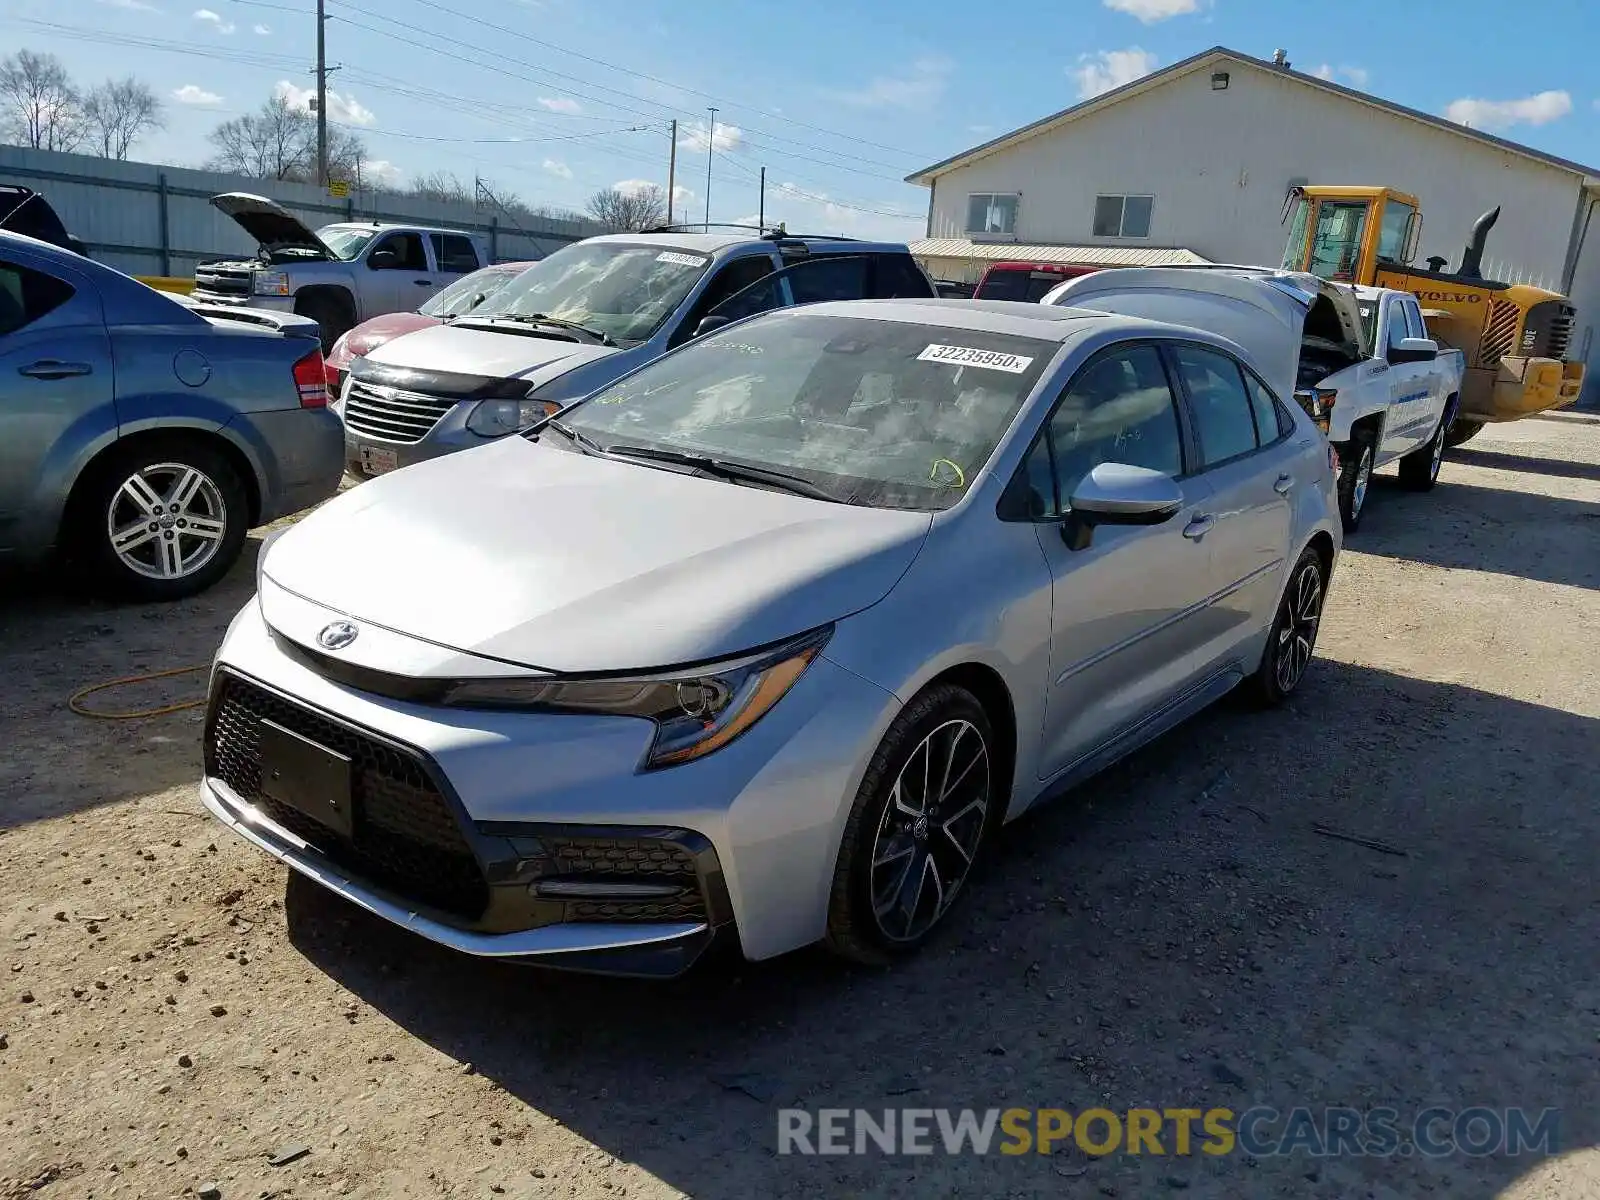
(1122, 216)
(992, 212)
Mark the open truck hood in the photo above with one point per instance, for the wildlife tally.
(1269, 313)
(274, 227)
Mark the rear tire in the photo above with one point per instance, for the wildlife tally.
(920, 821)
(1419, 470)
(1293, 637)
(160, 520)
(333, 318)
(1355, 479)
(1462, 431)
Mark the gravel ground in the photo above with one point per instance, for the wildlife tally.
(175, 1011)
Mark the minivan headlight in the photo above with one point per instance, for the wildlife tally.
(270, 283)
(696, 711)
(496, 418)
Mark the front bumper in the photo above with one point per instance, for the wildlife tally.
(448, 435)
(516, 803)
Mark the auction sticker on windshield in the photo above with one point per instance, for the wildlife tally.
(680, 260)
(971, 356)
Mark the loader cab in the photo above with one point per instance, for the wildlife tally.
(1343, 234)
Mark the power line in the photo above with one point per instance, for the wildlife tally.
(820, 198)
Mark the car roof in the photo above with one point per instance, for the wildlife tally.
(714, 243)
(1043, 321)
(378, 227)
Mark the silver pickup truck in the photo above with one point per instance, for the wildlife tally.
(339, 275)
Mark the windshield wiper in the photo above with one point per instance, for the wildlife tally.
(723, 469)
(598, 335)
(582, 440)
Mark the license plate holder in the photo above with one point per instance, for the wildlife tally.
(308, 777)
(377, 460)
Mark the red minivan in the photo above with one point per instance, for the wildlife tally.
(1026, 281)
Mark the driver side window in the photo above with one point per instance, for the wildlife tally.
(732, 278)
(406, 249)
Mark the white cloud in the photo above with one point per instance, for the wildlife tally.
(1151, 11)
(558, 168)
(131, 5)
(693, 137)
(261, 30)
(191, 93)
(918, 88)
(632, 187)
(346, 109)
(1108, 69)
(1354, 76)
(682, 195)
(1538, 109)
(379, 171)
(560, 104)
(212, 19)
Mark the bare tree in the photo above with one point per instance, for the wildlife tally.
(279, 141)
(441, 185)
(39, 107)
(628, 211)
(118, 113)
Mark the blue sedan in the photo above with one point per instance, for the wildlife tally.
(144, 435)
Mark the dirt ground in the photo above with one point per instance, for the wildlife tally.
(173, 1010)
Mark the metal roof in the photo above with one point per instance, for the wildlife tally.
(1098, 256)
(1218, 54)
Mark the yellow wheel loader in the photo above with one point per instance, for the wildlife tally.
(1515, 337)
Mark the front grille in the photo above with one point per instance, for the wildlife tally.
(391, 414)
(221, 282)
(626, 860)
(406, 837)
(1499, 332)
(1561, 334)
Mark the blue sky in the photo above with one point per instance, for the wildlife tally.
(553, 99)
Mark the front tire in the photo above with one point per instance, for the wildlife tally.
(1355, 480)
(161, 520)
(1293, 637)
(920, 821)
(1462, 431)
(1419, 470)
(333, 319)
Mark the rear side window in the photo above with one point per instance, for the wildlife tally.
(829, 279)
(27, 295)
(1223, 413)
(897, 276)
(1268, 428)
(454, 252)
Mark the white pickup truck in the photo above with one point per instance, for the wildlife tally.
(1357, 359)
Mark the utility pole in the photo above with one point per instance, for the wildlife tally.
(322, 96)
(762, 209)
(711, 141)
(672, 169)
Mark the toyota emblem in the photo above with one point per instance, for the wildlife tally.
(338, 635)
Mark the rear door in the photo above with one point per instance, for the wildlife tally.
(1129, 626)
(55, 378)
(453, 256)
(1248, 460)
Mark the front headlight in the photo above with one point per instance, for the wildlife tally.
(496, 418)
(695, 711)
(269, 283)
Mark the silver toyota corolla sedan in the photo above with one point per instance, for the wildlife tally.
(768, 637)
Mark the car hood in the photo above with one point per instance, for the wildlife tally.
(551, 559)
(369, 335)
(458, 349)
(272, 226)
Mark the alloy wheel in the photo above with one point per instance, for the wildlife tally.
(928, 836)
(1358, 494)
(166, 521)
(1298, 619)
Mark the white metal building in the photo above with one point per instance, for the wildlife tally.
(1195, 160)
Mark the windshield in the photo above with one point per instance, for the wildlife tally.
(626, 291)
(877, 413)
(468, 292)
(1336, 239)
(346, 243)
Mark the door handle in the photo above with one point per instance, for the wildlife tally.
(423, 282)
(50, 368)
(1283, 484)
(1198, 528)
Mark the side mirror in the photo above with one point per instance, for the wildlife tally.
(1414, 350)
(710, 324)
(383, 260)
(1119, 494)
